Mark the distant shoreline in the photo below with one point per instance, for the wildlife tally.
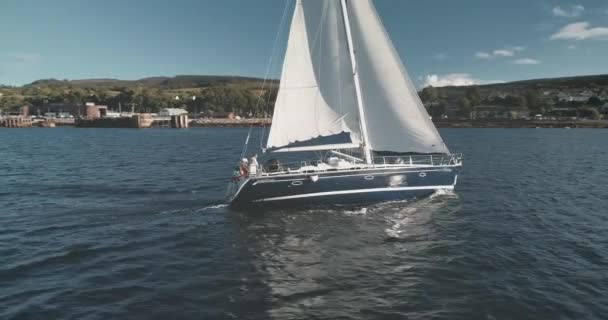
(439, 124)
(210, 122)
(259, 122)
(599, 124)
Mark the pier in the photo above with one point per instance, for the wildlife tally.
(180, 121)
(16, 122)
(137, 121)
(46, 123)
(214, 122)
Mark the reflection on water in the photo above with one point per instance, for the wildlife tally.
(413, 222)
(319, 259)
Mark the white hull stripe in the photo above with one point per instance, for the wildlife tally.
(331, 193)
(381, 170)
(321, 177)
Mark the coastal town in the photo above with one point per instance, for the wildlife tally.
(504, 103)
(189, 101)
(92, 115)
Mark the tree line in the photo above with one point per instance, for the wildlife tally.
(531, 100)
(245, 100)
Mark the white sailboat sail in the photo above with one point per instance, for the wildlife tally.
(316, 96)
(396, 118)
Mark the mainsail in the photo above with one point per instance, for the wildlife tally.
(316, 96)
(396, 118)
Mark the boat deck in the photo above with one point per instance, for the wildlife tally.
(336, 164)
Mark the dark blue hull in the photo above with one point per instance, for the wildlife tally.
(345, 187)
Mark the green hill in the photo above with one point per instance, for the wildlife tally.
(245, 95)
(177, 82)
(571, 95)
(556, 84)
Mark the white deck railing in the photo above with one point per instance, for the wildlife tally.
(420, 160)
(342, 164)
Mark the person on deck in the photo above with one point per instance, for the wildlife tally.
(253, 165)
(236, 174)
(244, 170)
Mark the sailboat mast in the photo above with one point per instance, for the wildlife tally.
(366, 149)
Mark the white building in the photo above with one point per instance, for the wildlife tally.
(167, 112)
(113, 114)
(581, 97)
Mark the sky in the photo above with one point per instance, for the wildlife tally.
(442, 42)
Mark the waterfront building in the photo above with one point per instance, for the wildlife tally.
(167, 112)
(71, 108)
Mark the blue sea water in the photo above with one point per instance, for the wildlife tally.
(131, 224)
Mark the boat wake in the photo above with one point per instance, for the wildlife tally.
(401, 222)
(190, 210)
(450, 193)
(212, 207)
(412, 221)
(356, 212)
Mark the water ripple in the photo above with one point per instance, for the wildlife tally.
(95, 229)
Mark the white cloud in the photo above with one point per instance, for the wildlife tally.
(571, 47)
(572, 12)
(527, 61)
(483, 55)
(499, 53)
(441, 56)
(503, 53)
(581, 31)
(454, 79)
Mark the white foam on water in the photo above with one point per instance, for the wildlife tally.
(392, 234)
(359, 212)
(410, 220)
(392, 204)
(443, 192)
(172, 211)
(399, 221)
(192, 210)
(212, 207)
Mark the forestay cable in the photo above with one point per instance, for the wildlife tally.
(266, 75)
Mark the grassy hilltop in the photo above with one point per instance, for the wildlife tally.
(555, 84)
(213, 93)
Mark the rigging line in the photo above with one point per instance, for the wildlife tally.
(320, 60)
(268, 69)
(313, 45)
(340, 67)
(266, 75)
